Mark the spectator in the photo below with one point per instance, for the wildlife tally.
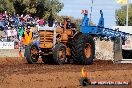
(21, 31)
(27, 37)
(68, 25)
(50, 21)
(41, 22)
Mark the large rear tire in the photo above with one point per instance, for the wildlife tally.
(74, 48)
(69, 45)
(32, 53)
(84, 49)
(59, 54)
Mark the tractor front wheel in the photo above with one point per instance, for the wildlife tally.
(59, 54)
(31, 52)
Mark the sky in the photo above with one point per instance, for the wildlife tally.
(74, 8)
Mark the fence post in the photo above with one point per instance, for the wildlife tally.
(117, 49)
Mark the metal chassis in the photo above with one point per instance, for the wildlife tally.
(101, 31)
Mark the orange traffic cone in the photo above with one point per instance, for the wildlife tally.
(20, 53)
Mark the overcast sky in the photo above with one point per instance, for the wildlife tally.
(74, 8)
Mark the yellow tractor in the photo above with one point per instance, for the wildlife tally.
(53, 41)
(58, 45)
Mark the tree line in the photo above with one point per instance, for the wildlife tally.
(40, 8)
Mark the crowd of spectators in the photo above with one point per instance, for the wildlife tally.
(8, 21)
(14, 25)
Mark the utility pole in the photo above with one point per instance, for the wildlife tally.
(127, 13)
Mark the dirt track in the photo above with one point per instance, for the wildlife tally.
(15, 73)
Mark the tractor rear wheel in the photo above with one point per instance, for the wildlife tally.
(59, 54)
(32, 53)
(85, 49)
(70, 57)
(74, 48)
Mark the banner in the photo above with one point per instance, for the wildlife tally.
(11, 32)
(6, 45)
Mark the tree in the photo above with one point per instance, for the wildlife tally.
(6, 5)
(54, 7)
(19, 6)
(38, 8)
(121, 16)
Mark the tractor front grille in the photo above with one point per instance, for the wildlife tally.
(46, 38)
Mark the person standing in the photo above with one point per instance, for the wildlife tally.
(68, 25)
(41, 22)
(50, 20)
(27, 38)
(21, 31)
